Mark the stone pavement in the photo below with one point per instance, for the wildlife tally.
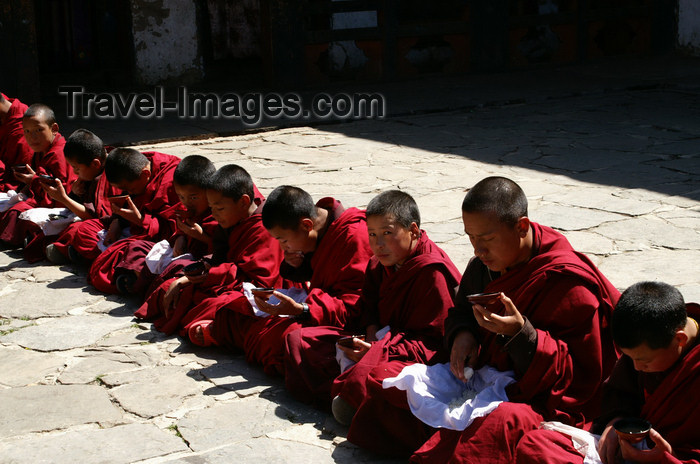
(618, 172)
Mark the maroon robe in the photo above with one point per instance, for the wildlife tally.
(335, 271)
(13, 147)
(95, 200)
(51, 163)
(668, 400)
(413, 300)
(159, 197)
(567, 301)
(252, 256)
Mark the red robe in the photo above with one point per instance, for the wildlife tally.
(567, 301)
(335, 271)
(159, 197)
(668, 400)
(51, 163)
(95, 200)
(13, 147)
(252, 256)
(413, 300)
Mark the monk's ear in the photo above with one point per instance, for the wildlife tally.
(245, 201)
(306, 225)
(682, 337)
(414, 229)
(54, 128)
(95, 163)
(145, 174)
(523, 226)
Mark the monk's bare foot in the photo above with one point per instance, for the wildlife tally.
(198, 336)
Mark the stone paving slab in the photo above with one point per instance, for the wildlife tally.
(51, 407)
(64, 333)
(118, 445)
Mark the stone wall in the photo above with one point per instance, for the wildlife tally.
(166, 41)
(689, 25)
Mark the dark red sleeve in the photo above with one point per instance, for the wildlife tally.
(565, 372)
(333, 302)
(430, 296)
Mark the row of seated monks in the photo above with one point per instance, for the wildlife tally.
(339, 300)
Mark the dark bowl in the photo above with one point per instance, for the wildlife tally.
(489, 301)
(194, 269)
(632, 429)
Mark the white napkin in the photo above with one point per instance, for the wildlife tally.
(297, 294)
(431, 389)
(40, 217)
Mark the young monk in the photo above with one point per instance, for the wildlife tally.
(194, 229)
(324, 244)
(13, 147)
(409, 286)
(549, 325)
(147, 178)
(243, 252)
(85, 153)
(656, 379)
(42, 136)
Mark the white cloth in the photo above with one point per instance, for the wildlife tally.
(584, 442)
(346, 363)
(431, 389)
(40, 217)
(101, 235)
(9, 198)
(297, 294)
(161, 255)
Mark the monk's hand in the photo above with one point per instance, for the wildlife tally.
(25, 176)
(180, 246)
(294, 258)
(286, 307)
(358, 350)
(78, 187)
(54, 189)
(510, 323)
(129, 212)
(656, 454)
(172, 295)
(113, 233)
(609, 444)
(464, 347)
(194, 230)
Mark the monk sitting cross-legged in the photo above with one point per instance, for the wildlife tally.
(243, 252)
(409, 286)
(550, 327)
(657, 379)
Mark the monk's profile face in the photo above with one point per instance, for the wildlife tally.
(391, 242)
(227, 211)
(646, 359)
(38, 133)
(86, 172)
(137, 186)
(498, 245)
(300, 240)
(193, 197)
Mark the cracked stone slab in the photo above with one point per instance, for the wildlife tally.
(652, 232)
(117, 445)
(233, 422)
(261, 450)
(240, 377)
(88, 370)
(30, 299)
(65, 333)
(568, 218)
(52, 407)
(24, 367)
(604, 200)
(625, 269)
(152, 392)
